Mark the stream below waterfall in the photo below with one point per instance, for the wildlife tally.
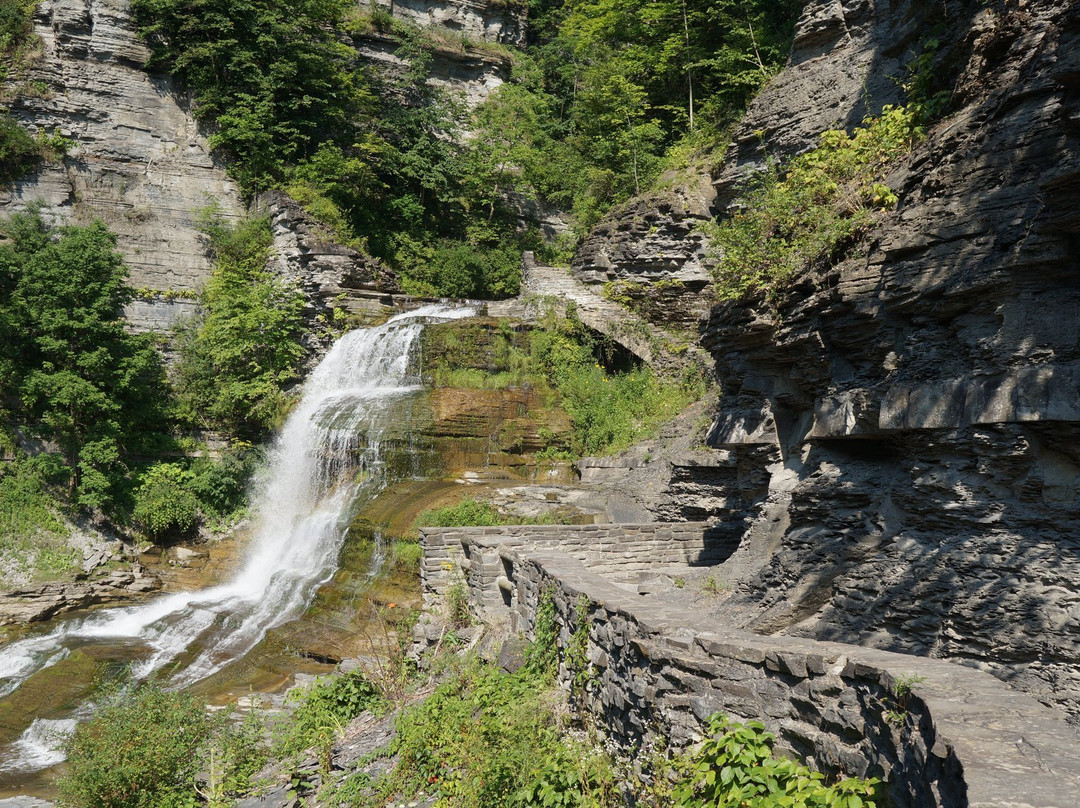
(328, 460)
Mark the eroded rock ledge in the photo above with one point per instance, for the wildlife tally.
(33, 604)
(961, 738)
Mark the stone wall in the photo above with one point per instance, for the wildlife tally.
(959, 738)
(627, 551)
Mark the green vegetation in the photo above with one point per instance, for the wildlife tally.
(82, 379)
(321, 711)
(814, 208)
(19, 151)
(238, 355)
(896, 707)
(735, 766)
(614, 91)
(487, 739)
(16, 37)
(483, 738)
(33, 537)
(609, 88)
(139, 750)
(609, 410)
(79, 379)
(475, 513)
(291, 108)
(149, 747)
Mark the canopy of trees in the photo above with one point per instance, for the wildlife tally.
(609, 92)
(82, 379)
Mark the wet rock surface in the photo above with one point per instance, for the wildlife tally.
(32, 604)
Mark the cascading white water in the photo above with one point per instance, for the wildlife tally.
(327, 454)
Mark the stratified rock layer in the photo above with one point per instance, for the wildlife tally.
(139, 163)
(921, 404)
(898, 440)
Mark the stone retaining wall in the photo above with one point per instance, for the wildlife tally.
(959, 738)
(477, 554)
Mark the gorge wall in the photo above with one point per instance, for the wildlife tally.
(896, 439)
(142, 164)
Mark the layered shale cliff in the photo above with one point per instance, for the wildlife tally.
(142, 164)
(896, 444)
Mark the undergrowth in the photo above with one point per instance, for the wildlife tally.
(611, 405)
(33, 534)
(814, 208)
(476, 513)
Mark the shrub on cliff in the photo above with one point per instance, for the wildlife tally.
(246, 347)
(19, 151)
(812, 209)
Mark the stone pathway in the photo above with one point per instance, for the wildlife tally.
(652, 345)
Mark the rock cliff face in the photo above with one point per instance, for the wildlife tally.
(467, 72)
(140, 163)
(898, 440)
(490, 20)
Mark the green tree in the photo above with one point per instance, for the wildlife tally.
(272, 76)
(85, 381)
(236, 359)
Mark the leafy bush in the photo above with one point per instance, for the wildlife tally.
(811, 211)
(612, 412)
(236, 359)
(232, 758)
(323, 710)
(460, 269)
(734, 766)
(18, 150)
(220, 485)
(164, 507)
(140, 750)
(477, 740)
(33, 536)
(406, 555)
(16, 34)
(26, 509)
(457, 604)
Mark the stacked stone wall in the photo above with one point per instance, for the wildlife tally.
(958, 738)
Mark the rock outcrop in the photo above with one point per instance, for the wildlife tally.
(139, 163)
(465, 71)
(32, 604)
(489, 20)
(897, 437)
(651, 255)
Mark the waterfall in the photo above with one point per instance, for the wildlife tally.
(325, 459)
